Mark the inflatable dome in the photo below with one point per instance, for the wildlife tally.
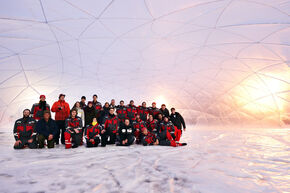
(215, 61)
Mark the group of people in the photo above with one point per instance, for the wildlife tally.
(120, 124)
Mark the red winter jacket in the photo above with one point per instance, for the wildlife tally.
(152, 126)
(37, 111)
(93, 131)
(131, 112)
(167, 126)
(139, 124)
(143, 112)
(121, 112)
(73, 123)
(61, 114)
(154, 111)
(24, 128)
(149, 139)
(112, 123)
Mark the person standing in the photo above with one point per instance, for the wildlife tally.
(83, 102)
(131, 111)
(143, 111)
(105, 113)
(38, 108)
(80, 111)
(46, 129)
(164, 111)
(154, 110)
(98, 107)
(62, 112)
(90, 113)
(178, 122)
(113, 104)
(121, 112)
(24, 132)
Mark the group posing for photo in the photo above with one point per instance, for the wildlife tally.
(121, 124)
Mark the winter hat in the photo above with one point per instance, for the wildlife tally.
(42, 96)
(61, 95)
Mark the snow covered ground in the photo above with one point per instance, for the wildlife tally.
(215, 160)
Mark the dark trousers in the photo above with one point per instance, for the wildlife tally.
(108, 138)
(165, 139)
(93, 144)
(41, 141)
(130, 139)
(24, 142)
(60, 132)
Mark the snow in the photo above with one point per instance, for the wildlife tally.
(215, 160)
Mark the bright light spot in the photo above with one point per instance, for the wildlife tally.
(160, 100)
(263, 96)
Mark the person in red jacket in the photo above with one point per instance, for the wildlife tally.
(143, 111)
(138, 125)
(38, 108)
(121, 112)
(92, 134)
(154, 110)
(110, 129)
(131, 111)
(24, 132)
(62, 111)
(152, 125)
(163, 139)
(169, 126)
(73, 133)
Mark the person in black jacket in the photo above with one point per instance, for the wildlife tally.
(105, 113)
(177, 119)
(164, 111)
(46, 129)
(83, 102)
(24, 132)
(126, 135)
(90, 114)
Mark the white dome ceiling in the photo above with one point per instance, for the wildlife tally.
(217, 61)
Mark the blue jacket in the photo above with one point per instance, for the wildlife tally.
(46, 128)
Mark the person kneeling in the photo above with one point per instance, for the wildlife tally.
(46, 129)
(109, 133)
(24, 132)
(73, 134)
(126, 136)
(92, 134)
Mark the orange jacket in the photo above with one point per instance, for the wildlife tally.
(62, 114)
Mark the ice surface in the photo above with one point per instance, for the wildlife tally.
(215, 160)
